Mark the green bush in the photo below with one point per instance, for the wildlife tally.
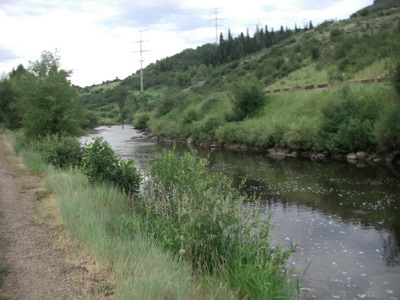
(355, 134)
(302, 133)
(387, 129)
(141, 120)
(101, 164)
(60, 151)
(169, 101)
(396, 74)
(248, 98)
(190, 116)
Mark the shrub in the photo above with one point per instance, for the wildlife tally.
(209, 103)
(168, 102)
(101, 164)
(302, 133)
(387, 129)
(396, 75)
(355, 134)
(191, 115)
(60, 151)
(335, 34)
(141, 120)
(248, 98)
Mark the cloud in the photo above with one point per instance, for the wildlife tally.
(170, 15)
(7, 55)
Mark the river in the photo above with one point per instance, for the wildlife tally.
(344, 219)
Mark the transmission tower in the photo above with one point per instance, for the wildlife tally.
(141, 59)
(216, 19)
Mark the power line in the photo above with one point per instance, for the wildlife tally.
(141, 59)
(216, 19)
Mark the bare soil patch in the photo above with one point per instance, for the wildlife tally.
(40, 260)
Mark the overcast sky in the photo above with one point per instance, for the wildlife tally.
(97, 39)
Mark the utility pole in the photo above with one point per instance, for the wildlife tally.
(258, 26)
(216, 19)
(141, 59)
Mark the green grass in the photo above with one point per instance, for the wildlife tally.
(197, 245)
(305, 76)
(105, 86)
(95, 215)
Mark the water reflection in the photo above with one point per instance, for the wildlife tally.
(344, 219)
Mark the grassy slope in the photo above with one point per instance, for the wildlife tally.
(333, 52)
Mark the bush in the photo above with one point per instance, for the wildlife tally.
(141, 120)
(387, 129)
(60, 151)
(396, 75)
(355, 134)
(302, 133)
(248, 98)
(168, 102)
(348, 122)
(190, 116)
(101, 164)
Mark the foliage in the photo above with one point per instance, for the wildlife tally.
(248, 98)
(46, 99)
(396, 74)
(60, 151)
(191, 93)
(170, 100)
(141, 120)
(8, 111)
(347, 123)
(387, 129)
(101, 164)
(98, 216)
(201, 217)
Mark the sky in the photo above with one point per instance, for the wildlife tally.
(99, 40)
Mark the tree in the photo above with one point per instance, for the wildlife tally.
(46, 99)
(8, 112)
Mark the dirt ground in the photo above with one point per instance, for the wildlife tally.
(40, 260)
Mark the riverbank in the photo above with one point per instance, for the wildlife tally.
(357, 158)
(192, 247)
(343, 218)
(40, 260)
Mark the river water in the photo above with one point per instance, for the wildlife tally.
(343, 218)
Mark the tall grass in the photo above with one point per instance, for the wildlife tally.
(201, 216)
(32, 159)
(96, 215)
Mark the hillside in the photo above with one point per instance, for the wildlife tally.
(212, 94)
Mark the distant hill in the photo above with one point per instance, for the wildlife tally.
(191, 95)
(386, 2)
(378, 5)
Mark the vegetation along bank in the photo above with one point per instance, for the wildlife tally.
(183, 233)
(216, 94)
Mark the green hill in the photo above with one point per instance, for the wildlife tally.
(212, 93)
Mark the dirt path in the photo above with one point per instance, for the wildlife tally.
(40, 260)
